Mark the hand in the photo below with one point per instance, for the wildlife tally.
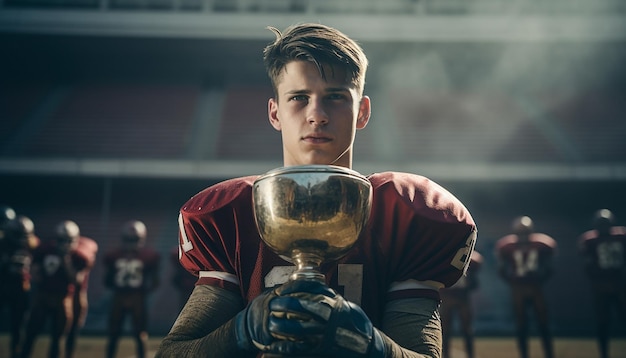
(251, 324)
(256, 325)
(323, 322)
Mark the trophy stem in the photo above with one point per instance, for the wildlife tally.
(307, 266)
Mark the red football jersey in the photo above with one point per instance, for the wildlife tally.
(87, 248)
(469, 281)
(526, 261)
(605, 256)
(418, 239)
(132, 270)
(52, 278)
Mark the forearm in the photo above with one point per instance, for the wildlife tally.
(72, 275)
(412, 329)
(204, 326)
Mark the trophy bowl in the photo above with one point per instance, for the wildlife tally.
(311, 213)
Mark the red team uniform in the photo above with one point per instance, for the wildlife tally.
(16, 255)
(604, 255)
(88, 248)
(457, 300)
(132, 273)
(418, 240)
(525, 263)
(56, 278)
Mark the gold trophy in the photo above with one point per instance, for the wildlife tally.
(311, 214)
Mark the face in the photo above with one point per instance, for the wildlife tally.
(66, 244)
(317, 118)
(131, 242)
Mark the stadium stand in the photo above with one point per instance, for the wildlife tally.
(16, 106)
(118, 122)
(244, 125)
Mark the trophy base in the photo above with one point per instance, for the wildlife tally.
(307, 275)
(307, 265)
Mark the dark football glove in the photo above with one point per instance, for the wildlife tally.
(324, 323)
(257, 328)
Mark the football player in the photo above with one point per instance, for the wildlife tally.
(131, 272)
(382, 298)
(604, 253)
(6, 214)
(16, 258)
(88, 248)
(525, 262)
(58, 269)
(457, 300)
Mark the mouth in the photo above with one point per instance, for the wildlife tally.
(316, 139)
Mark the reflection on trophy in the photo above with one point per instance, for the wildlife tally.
(311, 214)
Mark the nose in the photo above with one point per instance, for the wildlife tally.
(317, 114)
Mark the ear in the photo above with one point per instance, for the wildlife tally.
(365, 110)
(272, 113)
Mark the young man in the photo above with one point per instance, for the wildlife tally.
(132, 272)
(419, 237)
(16, 256)
(604, 253)
(88, 248)
(58, 269)
(525, 260)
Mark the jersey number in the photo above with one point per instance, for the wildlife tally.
(525, 263)
(610, 255)
(462, 258)
(128, 273)
(51, 264)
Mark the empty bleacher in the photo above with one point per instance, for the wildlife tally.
(16, 106)
(593, 122)
(106, 121)
(245, 132)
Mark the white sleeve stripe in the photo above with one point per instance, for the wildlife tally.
(415, 285)
(187, 245)
(224, 276)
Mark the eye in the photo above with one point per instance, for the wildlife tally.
(336, 97)
(299, 97)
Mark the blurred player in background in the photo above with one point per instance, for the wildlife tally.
(457, 300)
(88, 248)
(131, 272)
(604, 256)
(16, 256)
(58, 269)
(525, 262)
(6, 214)
(181, 278)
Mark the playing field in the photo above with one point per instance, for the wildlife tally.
(94, 347)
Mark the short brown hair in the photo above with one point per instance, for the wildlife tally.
(318, 44)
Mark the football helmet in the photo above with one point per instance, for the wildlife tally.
(20, 229)
(134, 233)
(26, 225)
(67, 235)
(6, 214)
(523, 226)
(603, 219)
